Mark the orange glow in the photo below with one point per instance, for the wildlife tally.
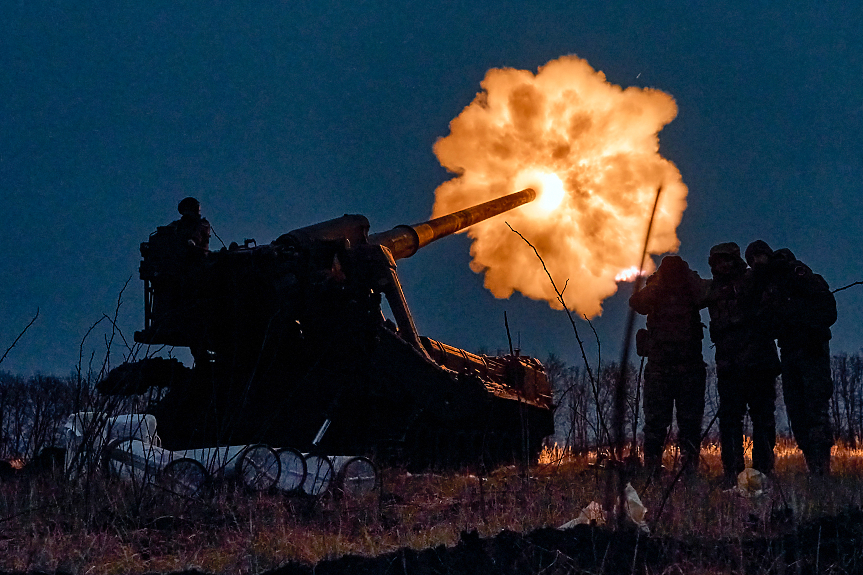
(591, 150)
(628, 275)
(548, 185)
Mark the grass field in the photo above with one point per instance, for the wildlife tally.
(96, 527)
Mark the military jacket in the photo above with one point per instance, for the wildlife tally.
(194, 229)
(742, 342)
(802, 305)
(674, 324)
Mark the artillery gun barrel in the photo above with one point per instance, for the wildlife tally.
(404, 241)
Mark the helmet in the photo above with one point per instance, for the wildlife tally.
(784, 255)
(189, 205)
(755, 248)
(729, 249)
(672, 267)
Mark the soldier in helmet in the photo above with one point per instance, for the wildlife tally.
(746, 362)
(191, 228)
(675, 373)
(175, 264)
(800, 308)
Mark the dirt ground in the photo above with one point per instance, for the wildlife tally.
(827, 545)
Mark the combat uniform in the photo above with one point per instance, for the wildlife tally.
(801, 310)
(746, 362)
(193, 231)
(175, 264)
(675, 371)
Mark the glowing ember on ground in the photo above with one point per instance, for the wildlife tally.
(591, 150)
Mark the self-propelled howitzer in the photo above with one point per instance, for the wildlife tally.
(292, 349)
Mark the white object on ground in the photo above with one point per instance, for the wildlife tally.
(593, 514)
(293, 469)
(184, 477)
(319, 474)
(751, 482)
(134, 460)
(356, 476)
(258, 468)
(635, 510)
(87, 433)
(218, 461)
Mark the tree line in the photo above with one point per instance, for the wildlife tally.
(585, 399)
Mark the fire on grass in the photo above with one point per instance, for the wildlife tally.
(844, 457)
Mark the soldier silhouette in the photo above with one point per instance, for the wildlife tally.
(746, 363)
(675, 373)
(192, 229)
(799, 307)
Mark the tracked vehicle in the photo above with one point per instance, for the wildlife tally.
(292, 349)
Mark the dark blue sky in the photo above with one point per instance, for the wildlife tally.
(281, 114)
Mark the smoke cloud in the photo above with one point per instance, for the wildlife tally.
(591, 150)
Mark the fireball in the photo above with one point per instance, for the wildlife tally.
(591, 150)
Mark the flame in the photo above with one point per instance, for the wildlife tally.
(548, 185)
(629, 274)
(591, 150)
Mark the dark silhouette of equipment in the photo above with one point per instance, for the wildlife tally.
(292, 348)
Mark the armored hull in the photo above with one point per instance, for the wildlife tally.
(292, 349)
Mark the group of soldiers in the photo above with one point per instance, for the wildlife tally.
(769, 297)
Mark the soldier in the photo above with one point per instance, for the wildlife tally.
(746, 363)
(175, 261)
(800, 309)
(675, 371)
(191, 228)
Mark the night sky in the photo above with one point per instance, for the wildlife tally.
(277, 115)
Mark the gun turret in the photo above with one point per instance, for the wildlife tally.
(404, 241)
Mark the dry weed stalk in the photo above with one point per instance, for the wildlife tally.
(123, 530)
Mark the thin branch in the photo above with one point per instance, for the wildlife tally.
(571, 321)
(20, 335)
(848, 286)
(598, 343)
(627, 340)
(114, 331)
(80, 380)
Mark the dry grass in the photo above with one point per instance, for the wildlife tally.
(105, 528)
